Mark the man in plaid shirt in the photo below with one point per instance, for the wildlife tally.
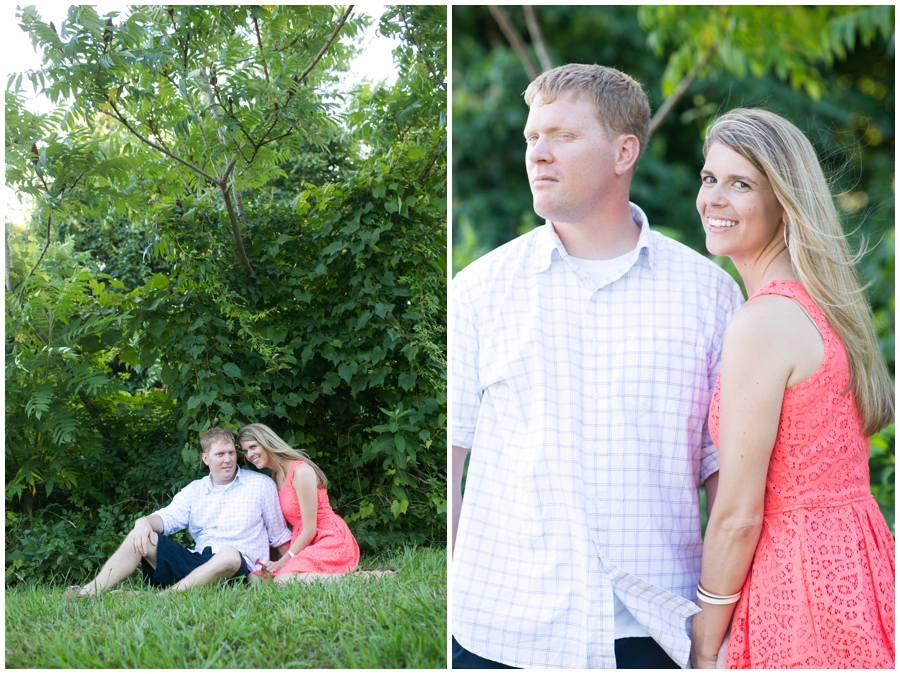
(584, 355)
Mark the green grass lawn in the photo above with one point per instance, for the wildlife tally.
(355, 621)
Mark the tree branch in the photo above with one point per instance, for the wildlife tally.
(434, 155)
(537, 38)
(515, 40)
(235, 228)
(91, 411)
(327, 45)
(435, 76)
(119, 118)
(682, 87)
(43, 252)
(259, 42)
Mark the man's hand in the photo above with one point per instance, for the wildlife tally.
(723, 651)
(143, 536)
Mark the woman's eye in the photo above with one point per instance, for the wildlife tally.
(707, 180)
(742, 185)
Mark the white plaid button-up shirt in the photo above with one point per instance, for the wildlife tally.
(245, 515)
(585, 409)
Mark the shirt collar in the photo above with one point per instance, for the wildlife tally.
(548, 243)
(210, 485)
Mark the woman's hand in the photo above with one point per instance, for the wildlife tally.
(699, 661)
(272, 567)
(706, 660)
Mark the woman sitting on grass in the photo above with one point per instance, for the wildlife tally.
(321, 543)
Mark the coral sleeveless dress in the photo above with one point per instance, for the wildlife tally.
(333, 550)
(820, 592)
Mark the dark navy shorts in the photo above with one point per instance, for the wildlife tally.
(174, 562)
(631, 653)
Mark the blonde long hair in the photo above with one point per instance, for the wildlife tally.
(819, 251)
(278, 449)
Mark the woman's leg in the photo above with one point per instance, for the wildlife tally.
(305, 577)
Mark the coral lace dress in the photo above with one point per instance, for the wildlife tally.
(333, 550)
(820, 592)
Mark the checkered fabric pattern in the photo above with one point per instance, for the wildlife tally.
(245, 515)
(585, 408)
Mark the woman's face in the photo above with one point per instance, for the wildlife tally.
(255, 454)
(738, 208)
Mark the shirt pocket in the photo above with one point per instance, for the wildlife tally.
(665, 371)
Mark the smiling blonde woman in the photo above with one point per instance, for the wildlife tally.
(797, 553)
(321, 543)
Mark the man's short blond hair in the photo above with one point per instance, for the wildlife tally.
(622, 105)
(214, 435)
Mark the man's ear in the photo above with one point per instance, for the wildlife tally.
(627, 150)
(205, 458)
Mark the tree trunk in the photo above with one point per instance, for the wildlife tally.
(236, 229)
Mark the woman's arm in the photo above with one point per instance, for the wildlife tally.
(306, 486)
(757, 361)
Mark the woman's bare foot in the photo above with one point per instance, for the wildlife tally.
(379, 572)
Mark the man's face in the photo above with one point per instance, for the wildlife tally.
(570, 159)
(222, 461)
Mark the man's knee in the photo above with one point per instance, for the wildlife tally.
(150, 547)
(228, 559)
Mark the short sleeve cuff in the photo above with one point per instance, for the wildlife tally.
(463, 439)
(709, 464)
(168, 525)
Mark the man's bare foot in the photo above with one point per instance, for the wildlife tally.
(76, 592)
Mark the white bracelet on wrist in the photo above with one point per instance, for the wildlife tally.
(290, 553)
(717, 599)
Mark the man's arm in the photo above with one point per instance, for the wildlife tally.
(459, 462)
(273, 519)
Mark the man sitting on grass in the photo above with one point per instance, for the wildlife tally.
(232, 514)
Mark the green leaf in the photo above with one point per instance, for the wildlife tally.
(168, 375)
(130, 356)
(399, 507)
(333, 248)
(345, 372)
(400, 443)
(148, 357)
(406, 380)
(232, 370)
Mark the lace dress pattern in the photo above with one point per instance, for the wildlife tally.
(820, 592)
